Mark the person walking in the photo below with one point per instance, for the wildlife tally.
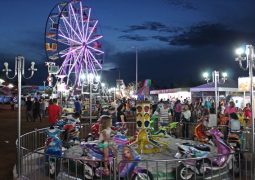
(42, 108)
(36, 110)
(29, 109)
(54, 112)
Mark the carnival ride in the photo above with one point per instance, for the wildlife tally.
(72, 42)
(143, 141)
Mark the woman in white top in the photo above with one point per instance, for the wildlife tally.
(186, 114)
(234, 123)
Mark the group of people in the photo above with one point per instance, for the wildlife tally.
(228, 115)
(39, 108)
(35, 109)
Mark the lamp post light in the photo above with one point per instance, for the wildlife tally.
(247, 55)
(206, 76)
(20, 72)
(216, 80)
(136, 67)
(90, 79)
(102, 90)
(1, 82)
(136, 70)
(10, 86)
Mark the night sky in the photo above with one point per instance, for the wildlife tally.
(177, 40)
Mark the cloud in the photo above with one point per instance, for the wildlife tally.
(206, 34)
(108, 66)
(162, 38)
(134, 37)
(152, 26)
(182, 3)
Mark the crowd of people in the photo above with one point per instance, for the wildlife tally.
(230, 116)
(167, 111)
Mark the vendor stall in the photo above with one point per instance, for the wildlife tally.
(226, 91)
(172, 94)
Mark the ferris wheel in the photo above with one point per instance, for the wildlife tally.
(72, 42)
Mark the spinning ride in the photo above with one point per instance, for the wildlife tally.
(72, 42)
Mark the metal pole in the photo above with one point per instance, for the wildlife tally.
(216, 74)
(44, 86)
(114, 95)
(136, 70)
(19, 70)
(119, 73)
(250, 59)
(243, 99)
(90, 102)
(19, 62)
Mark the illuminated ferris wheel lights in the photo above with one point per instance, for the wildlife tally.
(76, 43)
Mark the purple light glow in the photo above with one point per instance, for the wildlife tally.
(76, 38)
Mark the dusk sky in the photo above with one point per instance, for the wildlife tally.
(176, 39)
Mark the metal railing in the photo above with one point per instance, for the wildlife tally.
(35, 163)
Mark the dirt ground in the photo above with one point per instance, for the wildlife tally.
(8, 136)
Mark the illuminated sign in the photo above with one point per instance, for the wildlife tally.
(244, 83)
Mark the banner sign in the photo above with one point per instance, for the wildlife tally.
(244, 83)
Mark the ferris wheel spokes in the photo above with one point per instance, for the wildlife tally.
(71, 39)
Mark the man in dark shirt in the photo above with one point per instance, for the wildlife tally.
(77, 106)
(29, 109)
(36, 110)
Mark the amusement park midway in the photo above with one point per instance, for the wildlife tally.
(127, 89)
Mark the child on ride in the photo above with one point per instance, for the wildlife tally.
(105, 142)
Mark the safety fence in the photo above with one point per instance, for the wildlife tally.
(35, 164)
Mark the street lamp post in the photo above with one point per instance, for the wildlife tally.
(44, 87)
(136, 70)
(20, 72)
(90, 102)
(216, 80)
(248, 56)
(1, 82)
(91, 78)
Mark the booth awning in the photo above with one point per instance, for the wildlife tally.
(229, 85)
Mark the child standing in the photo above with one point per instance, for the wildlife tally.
(105, 141)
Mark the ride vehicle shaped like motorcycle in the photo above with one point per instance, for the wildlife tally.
(53, 151)
(94, 156)
(201, 164)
